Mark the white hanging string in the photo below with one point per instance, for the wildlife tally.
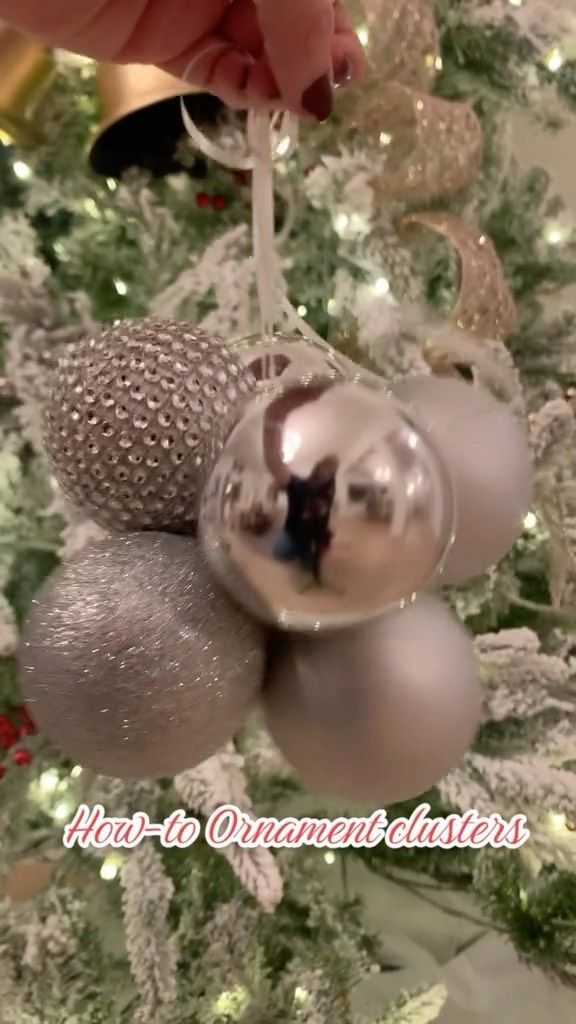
(269, 137)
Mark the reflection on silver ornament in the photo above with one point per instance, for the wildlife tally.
(136, 418)
(134, 663)
(284, 359)
(326, 507)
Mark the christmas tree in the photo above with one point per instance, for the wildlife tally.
(412, 240)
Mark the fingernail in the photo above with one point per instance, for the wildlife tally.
(343, 75)
(317, 99)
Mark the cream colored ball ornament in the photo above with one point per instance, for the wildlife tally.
(486, 453)
(380, 712)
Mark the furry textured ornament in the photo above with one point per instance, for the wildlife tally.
(380, 712)
(136, 418)
(134, 663)
(326, 507)
(486, 453)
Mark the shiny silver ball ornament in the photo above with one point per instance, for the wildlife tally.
(134, 663)
(380, 712)
(326, 507)
(284, 359)
(136, 419)
(486, 452)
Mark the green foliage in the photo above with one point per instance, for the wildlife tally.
(538, 914)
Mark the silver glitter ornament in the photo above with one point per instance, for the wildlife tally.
(284, 359)
(136, 418)
(327, 506)
(134, 663)
(380, 712)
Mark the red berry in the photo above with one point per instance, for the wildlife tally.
(203, 200)
(219, 203)
(28, 726)
(21, 757)
(8, 733)
(2, 771)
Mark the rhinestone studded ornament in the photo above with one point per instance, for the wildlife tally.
(138, 415)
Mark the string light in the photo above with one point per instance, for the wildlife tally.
(21, 170)
(363, 34)
(91, 208)
(112, 184)
(5, 138)
(557, 822)
(516, 3)
(330, 857)
(49, 780)
(76, 771)
(121, 286)
(331, 307)
(555, 233)
(62, 810)
(381, 286)
(233, 1003)
(385, 139)
(300, 995)
(341, 222)
(110, 867)
(302, 310)
(530, 521)
(554, 60)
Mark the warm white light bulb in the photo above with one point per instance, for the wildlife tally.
(341, 222)
(121, 287)
(112, 184)
(76, 771)
(330, 857)
(110, 868)
(21, 170)
(363, 34)
(554, 60)
(331, 306)
(49, 780)
(557, 822)
(381, 286)
(302, 310)
(530, 521)
(61, 811)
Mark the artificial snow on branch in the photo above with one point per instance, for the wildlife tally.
(220, 780)
(147, 892)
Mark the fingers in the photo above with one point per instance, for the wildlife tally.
(298, 38)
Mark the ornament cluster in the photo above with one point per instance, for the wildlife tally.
(267, 494)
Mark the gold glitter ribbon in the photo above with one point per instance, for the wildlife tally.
(403, 42)
(485, 305)
(430, 147)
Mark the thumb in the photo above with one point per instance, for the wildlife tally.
(298, 36)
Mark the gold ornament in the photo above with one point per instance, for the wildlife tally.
(430, 147)
(485, 305)
(403, 42)
(25, 72)
(141, 120)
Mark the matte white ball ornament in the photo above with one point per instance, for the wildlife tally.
(487, 455)
(380, 712)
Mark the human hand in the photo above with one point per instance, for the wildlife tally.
(277, 54)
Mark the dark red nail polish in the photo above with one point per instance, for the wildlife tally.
(317, 99)
(343, 74)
